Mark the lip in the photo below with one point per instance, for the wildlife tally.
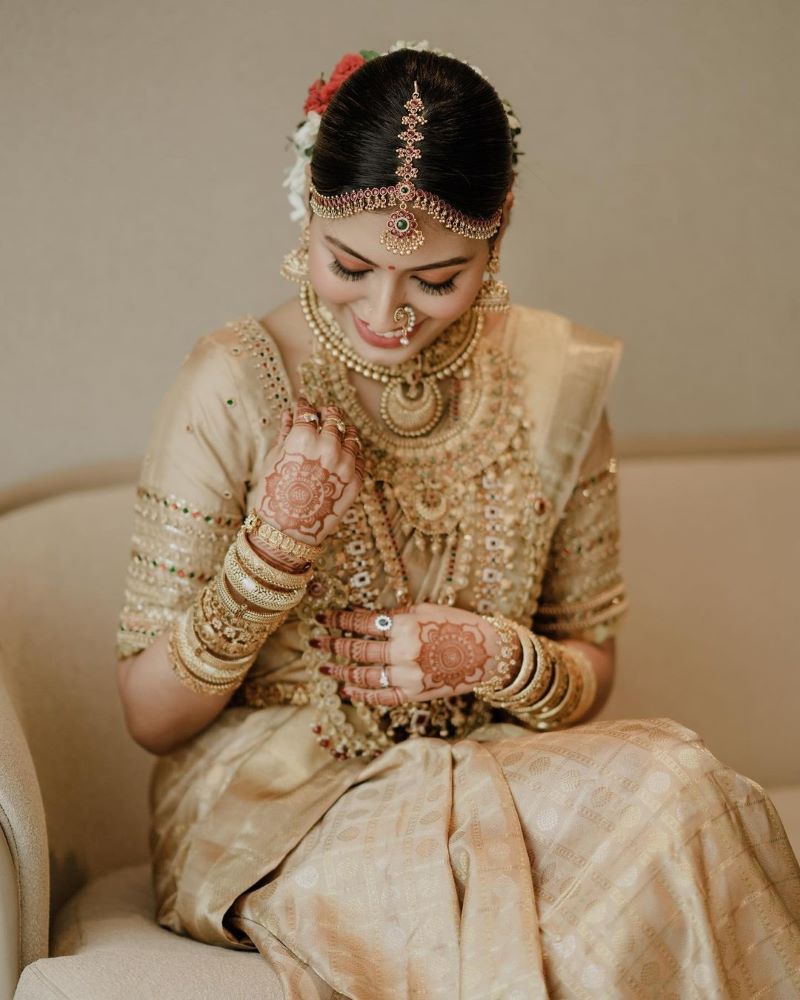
(369, 336)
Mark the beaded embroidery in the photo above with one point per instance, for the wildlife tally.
(175, 549)
(268, 362)
(583, 595)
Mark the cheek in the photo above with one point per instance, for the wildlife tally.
(325, 283)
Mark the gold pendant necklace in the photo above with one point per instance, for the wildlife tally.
(411, 402)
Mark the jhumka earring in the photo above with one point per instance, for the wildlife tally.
(295, 263)
(493, 293)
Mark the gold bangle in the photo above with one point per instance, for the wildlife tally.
(276, 539)
(582, 701)
(220, 631)
(188, 679)
(263, 570)
(251, 590)
(200, 661)
(506, 660)
(272, 619)
(542, 677)
(556, 692)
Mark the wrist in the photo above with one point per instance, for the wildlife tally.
(280, 560)
(508, 656)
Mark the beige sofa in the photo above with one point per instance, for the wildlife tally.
(711, 550)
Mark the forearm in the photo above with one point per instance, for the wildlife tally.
(544, 683)
(603, 659)
(160, 711)
(181, 683)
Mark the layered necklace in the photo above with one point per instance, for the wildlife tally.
(411, 401)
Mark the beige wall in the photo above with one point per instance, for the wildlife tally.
(143, 148)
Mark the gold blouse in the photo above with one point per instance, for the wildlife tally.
(512, 509)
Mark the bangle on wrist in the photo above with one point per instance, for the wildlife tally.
(248, 588)
(274, 538)
(264, 571)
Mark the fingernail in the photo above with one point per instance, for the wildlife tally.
(321, 617)
(315, 643)
(325, 669)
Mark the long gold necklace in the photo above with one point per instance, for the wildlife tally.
(411, 402)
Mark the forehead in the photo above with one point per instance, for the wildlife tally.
(362, 233)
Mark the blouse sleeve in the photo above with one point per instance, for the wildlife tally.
(192, 490)
(583, 592)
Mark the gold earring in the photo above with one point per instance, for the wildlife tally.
(493, 293)
(295, 263)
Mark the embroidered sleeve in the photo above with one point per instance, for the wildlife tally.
(583, 592)
(192, 489)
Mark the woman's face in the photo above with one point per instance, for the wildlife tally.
(363, 283)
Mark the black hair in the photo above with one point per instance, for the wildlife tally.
(467, 147)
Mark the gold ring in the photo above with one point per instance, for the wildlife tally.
(309, 418)
(340, 425)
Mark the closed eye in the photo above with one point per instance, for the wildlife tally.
(441, 289)
(430, 287)
(343, 272)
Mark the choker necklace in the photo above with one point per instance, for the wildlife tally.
(411, 402)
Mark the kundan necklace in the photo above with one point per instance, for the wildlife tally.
(411, 402)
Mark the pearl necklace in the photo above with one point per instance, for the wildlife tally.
(411, 402)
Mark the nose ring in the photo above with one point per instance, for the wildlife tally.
(406, 316)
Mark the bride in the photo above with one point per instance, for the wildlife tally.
(371, 609)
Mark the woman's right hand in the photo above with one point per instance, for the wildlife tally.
(314, 473)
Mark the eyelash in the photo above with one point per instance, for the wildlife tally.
(441, 289)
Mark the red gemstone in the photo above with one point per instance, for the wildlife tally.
(316, 729)
(324, 742)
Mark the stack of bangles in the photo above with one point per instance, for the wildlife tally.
(553, 687)
(213, 644)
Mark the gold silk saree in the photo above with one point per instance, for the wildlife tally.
(474, 859)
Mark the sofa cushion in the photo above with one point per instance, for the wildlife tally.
(109, 947)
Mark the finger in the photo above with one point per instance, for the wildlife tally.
(351, 443)
(360, 677)
(360, 620)
(287, 420)
(306, 414)
(355, 650)
(389, 697)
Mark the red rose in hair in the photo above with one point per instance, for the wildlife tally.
(346, 66)
(315, 101)
(321, 93)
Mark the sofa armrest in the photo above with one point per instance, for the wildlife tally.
(9, 923)
(24, 866)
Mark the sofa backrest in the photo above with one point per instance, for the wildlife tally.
(710, 551)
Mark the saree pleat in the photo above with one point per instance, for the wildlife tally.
(617, 859)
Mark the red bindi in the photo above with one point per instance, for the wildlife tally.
(391, 267)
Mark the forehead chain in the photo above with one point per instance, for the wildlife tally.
(402, 234)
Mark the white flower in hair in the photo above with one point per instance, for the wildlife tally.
(303, 141)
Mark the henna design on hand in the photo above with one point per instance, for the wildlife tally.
(451, 655)
(300, 494)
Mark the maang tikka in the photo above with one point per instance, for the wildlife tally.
(402, 234)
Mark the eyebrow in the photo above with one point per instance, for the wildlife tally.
(451, 262)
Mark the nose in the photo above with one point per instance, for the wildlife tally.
(383, 304)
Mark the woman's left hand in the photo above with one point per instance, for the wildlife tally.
(430, 651)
